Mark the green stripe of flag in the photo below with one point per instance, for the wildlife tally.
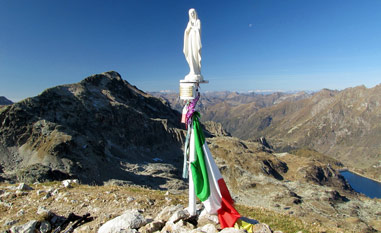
(198, 167)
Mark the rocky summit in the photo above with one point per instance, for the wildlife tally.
(97, 130)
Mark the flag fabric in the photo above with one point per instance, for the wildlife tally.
(205, 177)
(246, 224)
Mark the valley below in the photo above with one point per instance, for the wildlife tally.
(344, 125)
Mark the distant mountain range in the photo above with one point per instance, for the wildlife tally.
(5, 101)
(216, 101)
(232, 108)
(343, 124)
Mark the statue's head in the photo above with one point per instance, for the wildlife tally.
(192, 14)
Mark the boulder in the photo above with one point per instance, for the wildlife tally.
(154, 226)
(205, 219)
(29, 227)
(178, 215)
(261, 228)
(45, 227)
(168, 211)
(43, 211)
(20, 213)
(130, 199)
(209, 228)
(68, 183)
(10, 222)
(24, 187)
(178, 227)
(131, 219)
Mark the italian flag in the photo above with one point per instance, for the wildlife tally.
(206, 181)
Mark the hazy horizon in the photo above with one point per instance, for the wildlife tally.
(259, 91)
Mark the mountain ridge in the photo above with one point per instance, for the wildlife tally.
(343, 124)
(5, 101)
(103, 118)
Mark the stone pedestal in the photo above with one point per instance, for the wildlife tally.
(188, 89)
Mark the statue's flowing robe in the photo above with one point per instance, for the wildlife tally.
(192, 47)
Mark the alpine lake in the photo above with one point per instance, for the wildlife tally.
(360, 184)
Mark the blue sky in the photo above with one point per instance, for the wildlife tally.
(247, 44)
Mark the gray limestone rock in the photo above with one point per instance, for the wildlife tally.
(68, 183)
(47, 195)
(29, 227)
(10, 222)
(261, 228)
(208, 228)
(154, 226)
(130, 199)
(39, 192)
(205, 219)
(20, 213)
(214, 129)
(167, 212)
(178, 227)
(43, 211)
(131, 219)
(178, 215)
(55, 192)
(45, 227)
(24, 187)
(117, 182)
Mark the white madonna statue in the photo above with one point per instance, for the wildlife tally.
(192, 47)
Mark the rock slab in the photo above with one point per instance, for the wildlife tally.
(131, 219)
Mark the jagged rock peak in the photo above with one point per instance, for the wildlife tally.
(108, 77)
(110, 80)
(109, 74)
